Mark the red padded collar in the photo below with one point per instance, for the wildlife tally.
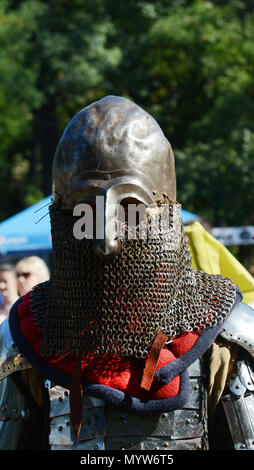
(120, 373)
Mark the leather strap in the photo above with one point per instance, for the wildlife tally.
(152, 360)
(76, 397)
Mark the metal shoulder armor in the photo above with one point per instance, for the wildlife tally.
(239, 327)
(11, 360)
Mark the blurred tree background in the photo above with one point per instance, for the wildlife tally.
(190, 63)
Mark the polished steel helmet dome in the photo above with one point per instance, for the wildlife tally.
(113, 138)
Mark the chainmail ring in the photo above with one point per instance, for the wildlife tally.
(90, 307)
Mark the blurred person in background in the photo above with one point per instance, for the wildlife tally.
(30, 271)
(8, 289)
(19, 409)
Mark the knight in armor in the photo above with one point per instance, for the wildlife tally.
(126, 346)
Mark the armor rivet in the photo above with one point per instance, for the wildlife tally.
(68, 423)
(95, 448)
(237, 387)
(60, 399)
(188, 421)
(154, 192)
(66, 393)
(196, 415)
(60, 428)
(196, 387)
(166, 444)
(157, 448)
(164, 415)
(243, 446)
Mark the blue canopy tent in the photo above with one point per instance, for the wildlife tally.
(29, 230)
(188, 216)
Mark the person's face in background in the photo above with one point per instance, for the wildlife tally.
(8, 286)
(26, 281)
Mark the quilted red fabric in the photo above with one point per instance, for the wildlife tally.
(120, 373)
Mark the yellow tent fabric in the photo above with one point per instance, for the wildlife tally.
(210, 256)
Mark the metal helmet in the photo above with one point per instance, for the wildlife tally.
(115, 149)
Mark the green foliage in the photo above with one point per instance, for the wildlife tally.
(52, 59)
(217, 177)
(190, 63)
(201, 61)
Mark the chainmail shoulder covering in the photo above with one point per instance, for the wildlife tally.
(90, 307)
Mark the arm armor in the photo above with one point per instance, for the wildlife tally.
(10, 358)
(239, 327)
(238, 404)
(238, 399)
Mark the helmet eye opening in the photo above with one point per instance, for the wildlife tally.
(132, 211)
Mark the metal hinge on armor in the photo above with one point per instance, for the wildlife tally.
(239, 407)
